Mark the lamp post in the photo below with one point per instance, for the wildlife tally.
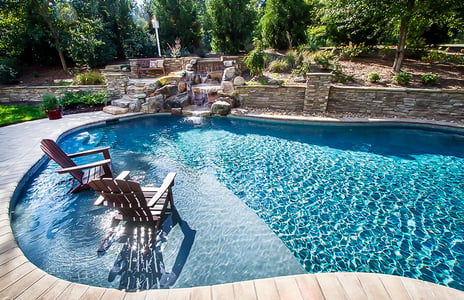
(156, 25)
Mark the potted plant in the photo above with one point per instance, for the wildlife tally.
(52, 107)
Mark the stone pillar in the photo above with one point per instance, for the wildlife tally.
(116, 83)
(133, 68)
(317, 92)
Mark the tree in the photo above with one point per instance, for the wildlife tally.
(178, 18)
(284, 23)
(230, 23)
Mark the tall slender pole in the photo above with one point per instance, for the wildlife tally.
(155, 24)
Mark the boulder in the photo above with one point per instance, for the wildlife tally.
(135, 105)
(168, 90)
(229, 74)
(220, 108)
(115, 110)
(227, 87)
(123, 103)
(154, 104)
(239, 80)
(177, 101)
(176, 111)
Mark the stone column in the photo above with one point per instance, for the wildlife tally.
(116, 83)
(317, 92)
(133, 68)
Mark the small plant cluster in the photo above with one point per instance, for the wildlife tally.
(50, 102)
(89, 78)
(429, 79)
(351, 51)
(402, 78)
(373, 77)
(437, 56)
(256, 61)
(74, 99)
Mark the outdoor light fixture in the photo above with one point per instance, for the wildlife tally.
(155, 24)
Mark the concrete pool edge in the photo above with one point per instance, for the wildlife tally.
(20, 278)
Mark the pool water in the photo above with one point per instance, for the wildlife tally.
(365, 198)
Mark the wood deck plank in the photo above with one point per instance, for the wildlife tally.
(245, 290)
(373, 287)
(93, 292)
(179, 294)
(201, 293)
(222, 292)
(288, 288)
(22, 284)
(417, 289)
(443, 293)
(161, 294)
(352, 286)
(394, 287)
(266, 289)
(74, 291)
(38, 288)
(330, 286)
(9, 256)
(113, 294)
(309, 287)
(136, 295)
(55, 290)
(15, 274)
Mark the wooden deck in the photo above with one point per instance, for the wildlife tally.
(20, 279)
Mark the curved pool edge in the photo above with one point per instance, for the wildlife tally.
(20, 279)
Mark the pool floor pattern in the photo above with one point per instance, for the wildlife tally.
(20, 279)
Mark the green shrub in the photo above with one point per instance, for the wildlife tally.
(255, 61)
(89, 78)
(429, 79)
(339, 76)
(352, 50)
(50, 102)
(402, 78)
(7, 74)
(373, 77)
(280, 66)
(434, 56)
(74, 99)
(322, 58)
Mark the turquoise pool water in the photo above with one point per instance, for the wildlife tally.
(366, 198)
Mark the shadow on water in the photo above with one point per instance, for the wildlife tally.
(140, 264)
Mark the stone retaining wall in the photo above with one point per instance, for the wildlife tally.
(34, 93)
(288, 98)
(446, 105)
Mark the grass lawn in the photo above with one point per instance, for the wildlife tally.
(10, 114)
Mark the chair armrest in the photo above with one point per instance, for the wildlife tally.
(89, 152)
(99, 201)
(168, 182)
(83, 167)
(124, 175)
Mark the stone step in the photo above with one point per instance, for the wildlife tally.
(115, 110)
(124, 103)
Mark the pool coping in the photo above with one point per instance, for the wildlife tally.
(20, 279)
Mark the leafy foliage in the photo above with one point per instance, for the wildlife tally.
(7, 74)
(284, 23)
(323, 59)
(230, 24)
(74, 99)
(89, 78)
(429, 79)
(50, 102)
(402, 78)
(373, 77)
(351, 51)
(255, 61)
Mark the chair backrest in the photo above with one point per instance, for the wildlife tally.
(126, 196)
(53, 151)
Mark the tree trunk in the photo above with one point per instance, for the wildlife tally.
(401, 47)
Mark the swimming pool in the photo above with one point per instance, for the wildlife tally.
(371, 198)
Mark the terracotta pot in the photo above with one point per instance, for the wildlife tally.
(54, 114)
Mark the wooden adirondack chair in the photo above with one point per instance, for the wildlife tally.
(82, 173)
(135, 203)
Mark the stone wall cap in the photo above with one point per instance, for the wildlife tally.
(397, 89)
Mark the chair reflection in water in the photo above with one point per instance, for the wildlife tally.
(140, 262)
